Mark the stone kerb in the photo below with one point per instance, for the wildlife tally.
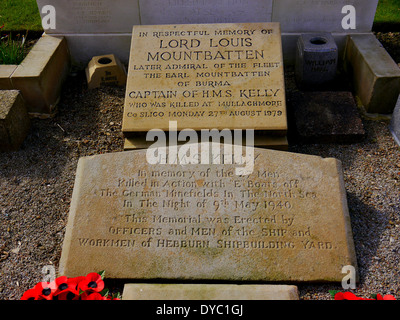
(147, 291)
(40, 75)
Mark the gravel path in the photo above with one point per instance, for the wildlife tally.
(36, 186)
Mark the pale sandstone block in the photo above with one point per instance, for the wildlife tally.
(5, 76)
(375, 76)
(286, 221)
(212, 76)
(14, 120)
(41, 74)
(146, 291)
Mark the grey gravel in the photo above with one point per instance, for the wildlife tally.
(36, 185)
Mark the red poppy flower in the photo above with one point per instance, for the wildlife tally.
(92, 296)
(386, 297)
(67, 289)
(45, 290)
(30, 294)
(346, 296)
(91, 283)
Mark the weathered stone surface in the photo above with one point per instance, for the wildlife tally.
(206, 11)
(322, 16)
(14, 120)
(83, 47)
(286, 221)
(324, 117)
(5, 76)
(316, 60)
(262, 141)
(204, 78)
(376, 77)
(395, 123)
(41, 74)
(144, 291)
(108, 23)
(86, 17)
(105, 70)
(116, 16)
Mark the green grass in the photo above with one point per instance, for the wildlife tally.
(20, 15)
(388, 11)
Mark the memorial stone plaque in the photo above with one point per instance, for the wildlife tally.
(287, 220)
(212, 76)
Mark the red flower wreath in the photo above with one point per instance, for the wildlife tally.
(89, 287)
(351, 296)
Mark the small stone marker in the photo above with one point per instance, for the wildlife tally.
(14, 120)
(376, 77)
(211, 76)
(316, 60)
(286, 221)
(105, 71)
(145, 291)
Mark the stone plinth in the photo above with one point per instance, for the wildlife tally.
(14, 120)
(376, 77)
(5, 76)
(41, 74)
(286, 219)
(146, 291)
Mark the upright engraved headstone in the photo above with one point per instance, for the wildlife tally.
(214, 76)
(286, 221)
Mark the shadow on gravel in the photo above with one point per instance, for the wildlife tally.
(368, 224)
(80, 127)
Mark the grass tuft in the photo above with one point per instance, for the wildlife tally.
(12, 51)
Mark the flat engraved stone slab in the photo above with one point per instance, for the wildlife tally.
(206, 76)
(145, 291)
(286, 221)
